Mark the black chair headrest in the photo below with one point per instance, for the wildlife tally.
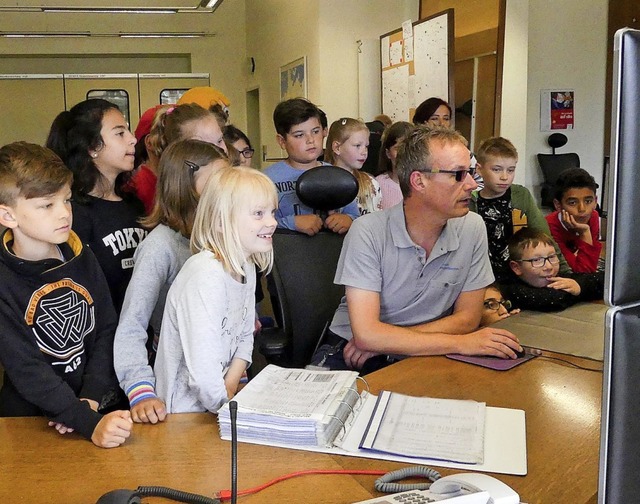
(375, 127)
(556, 140)
(326, 188)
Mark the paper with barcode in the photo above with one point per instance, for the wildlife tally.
(295, 393)
(424, 427)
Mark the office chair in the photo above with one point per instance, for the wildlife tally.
(552, 165)
(303, 272)
(376, 128)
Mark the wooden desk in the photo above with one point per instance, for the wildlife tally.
(562, 407)
(37, 465)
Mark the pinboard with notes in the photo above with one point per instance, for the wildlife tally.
(417, 63)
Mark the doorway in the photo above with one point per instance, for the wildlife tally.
(253, 125)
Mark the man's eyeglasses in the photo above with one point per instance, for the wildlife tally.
(247, 153)
(460, 175)
(539, 262)
(191, 165)
(494, 304)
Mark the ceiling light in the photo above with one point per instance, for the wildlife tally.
(104, 7)
(166, 35)
(64, 10)
(44, 34)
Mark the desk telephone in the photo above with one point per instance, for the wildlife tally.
(466, 488)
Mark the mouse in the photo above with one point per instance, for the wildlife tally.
(521, 354)
(120, 497)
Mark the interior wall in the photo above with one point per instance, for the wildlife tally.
(513, 109)
(567, 51)
(222, 56)
(342, 24)
(471, 16)
(279, 32)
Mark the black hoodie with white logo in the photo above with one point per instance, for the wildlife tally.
(57, 324)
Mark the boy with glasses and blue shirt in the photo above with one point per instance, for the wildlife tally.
(535, 283)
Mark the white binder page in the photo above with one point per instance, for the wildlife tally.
(295, 393)
(445, 429)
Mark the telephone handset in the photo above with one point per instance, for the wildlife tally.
(464, 488)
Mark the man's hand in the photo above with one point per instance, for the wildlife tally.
(113, 429)
(355, 358)
(308, 224)
(566, 284)
(338, 223)
(490, 341)
(151, 410)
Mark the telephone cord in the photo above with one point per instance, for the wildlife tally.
(388, 482)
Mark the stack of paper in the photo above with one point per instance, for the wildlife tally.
(296, 407)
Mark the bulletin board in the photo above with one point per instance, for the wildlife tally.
(416, 64)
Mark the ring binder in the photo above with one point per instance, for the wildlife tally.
(344, 427)
(349, 406)
(366, 383)
(317, 410)
(359, 397)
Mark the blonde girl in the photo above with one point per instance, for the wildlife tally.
(347, 147)
(184, 168)
(206, 339)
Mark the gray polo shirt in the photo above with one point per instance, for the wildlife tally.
(378, 255)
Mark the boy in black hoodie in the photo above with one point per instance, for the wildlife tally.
(57, 318)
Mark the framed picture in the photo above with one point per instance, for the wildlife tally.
(293, 79)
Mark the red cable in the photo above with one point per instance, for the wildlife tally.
(226, 494)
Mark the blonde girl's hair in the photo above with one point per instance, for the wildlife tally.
(340, 131)
(171, 124)
(228, 193)
(176, 196)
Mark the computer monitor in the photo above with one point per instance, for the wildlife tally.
(620, 423)
(622, 275)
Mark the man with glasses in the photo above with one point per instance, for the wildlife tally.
(535, 284)
(415, 274)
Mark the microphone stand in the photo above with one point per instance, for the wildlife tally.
(233, 410)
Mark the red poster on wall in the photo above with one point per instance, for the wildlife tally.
(562, 110)
(557, 109)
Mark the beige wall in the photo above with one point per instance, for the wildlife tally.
(278, 32)
(513, 110)
(222, 56)
(471, 16)
(567, 51)
(342, 24)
